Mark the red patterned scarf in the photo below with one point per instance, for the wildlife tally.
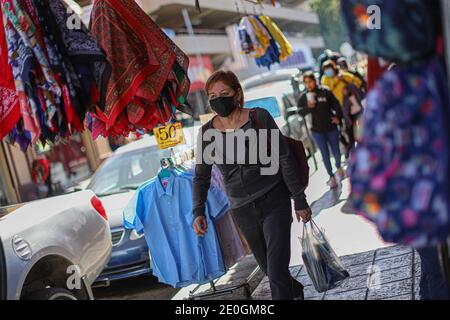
(142, 59)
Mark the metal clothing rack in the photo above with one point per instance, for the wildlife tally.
(224, 291)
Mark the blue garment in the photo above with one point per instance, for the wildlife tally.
(165, 216)
(324, 141)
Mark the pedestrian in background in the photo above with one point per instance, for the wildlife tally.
(344, 66)
(347, 89)
(326, 116)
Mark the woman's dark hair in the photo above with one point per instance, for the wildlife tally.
(228, 78)
(343, 62)
(330, 64)
(309, 75)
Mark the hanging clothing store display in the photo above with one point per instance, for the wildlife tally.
(375, 70)
(56, 70)
(233, 243)
(412, 24)
(261, 38)
(149, 79)
(9, 100)
(165, 216)
(400, 169)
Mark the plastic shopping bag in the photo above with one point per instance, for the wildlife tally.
(322, 263)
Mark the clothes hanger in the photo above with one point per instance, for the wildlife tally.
(166, 168)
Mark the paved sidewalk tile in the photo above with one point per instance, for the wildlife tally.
(394, 262)
(359, 269)
(356, 259)
(395, 281)
(417, 288)
(405, 297)
(392, 252)
(392, 289)
(311, 293)
(351, 284)
(396, 274)
(359, 294)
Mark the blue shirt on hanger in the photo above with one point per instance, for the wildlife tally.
(165, 216)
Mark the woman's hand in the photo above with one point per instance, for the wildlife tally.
(336, 120)
(304, 215)
(200, 226)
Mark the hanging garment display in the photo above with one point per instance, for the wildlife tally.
(400, 170)
(233, 247)
(9, 101)
(261, 38)
(56, 70)
(162, 209)
(149, 79)
(412, 26)
(375, 70)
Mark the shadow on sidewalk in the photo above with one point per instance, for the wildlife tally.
(328, 200)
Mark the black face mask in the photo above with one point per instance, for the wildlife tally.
(223, 106)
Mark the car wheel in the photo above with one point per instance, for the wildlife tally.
(51, 294)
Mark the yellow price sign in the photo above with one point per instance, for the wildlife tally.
(169, 136)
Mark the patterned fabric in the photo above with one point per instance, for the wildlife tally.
(400, 170)
(149, 79)
(412, 28)
(9, 101)
(262, 39)
(56, 71)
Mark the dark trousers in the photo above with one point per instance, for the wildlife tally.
(433, 285)
(266, 224)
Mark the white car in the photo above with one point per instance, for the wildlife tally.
(53, 249)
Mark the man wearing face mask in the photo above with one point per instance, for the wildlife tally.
(261, 204)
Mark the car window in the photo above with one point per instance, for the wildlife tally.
(270, 104)
(129, 170)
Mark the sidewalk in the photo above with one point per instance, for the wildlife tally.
(395, 276)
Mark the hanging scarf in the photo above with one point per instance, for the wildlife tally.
(21, 59)
(137, 49)
(9, 102)
(80, 61)
(286, 49)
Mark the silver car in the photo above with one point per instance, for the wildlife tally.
(53, 249)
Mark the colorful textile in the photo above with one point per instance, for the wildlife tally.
(262, 39)
(398, 31)
(163, 213)
(400, 170)
(149, 74)
(9, 101)
(286, 49)
(56, 71)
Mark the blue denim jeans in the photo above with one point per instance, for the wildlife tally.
(324, 141)
(433, 285)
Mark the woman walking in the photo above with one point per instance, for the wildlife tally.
(326, 116)
(261, 203)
